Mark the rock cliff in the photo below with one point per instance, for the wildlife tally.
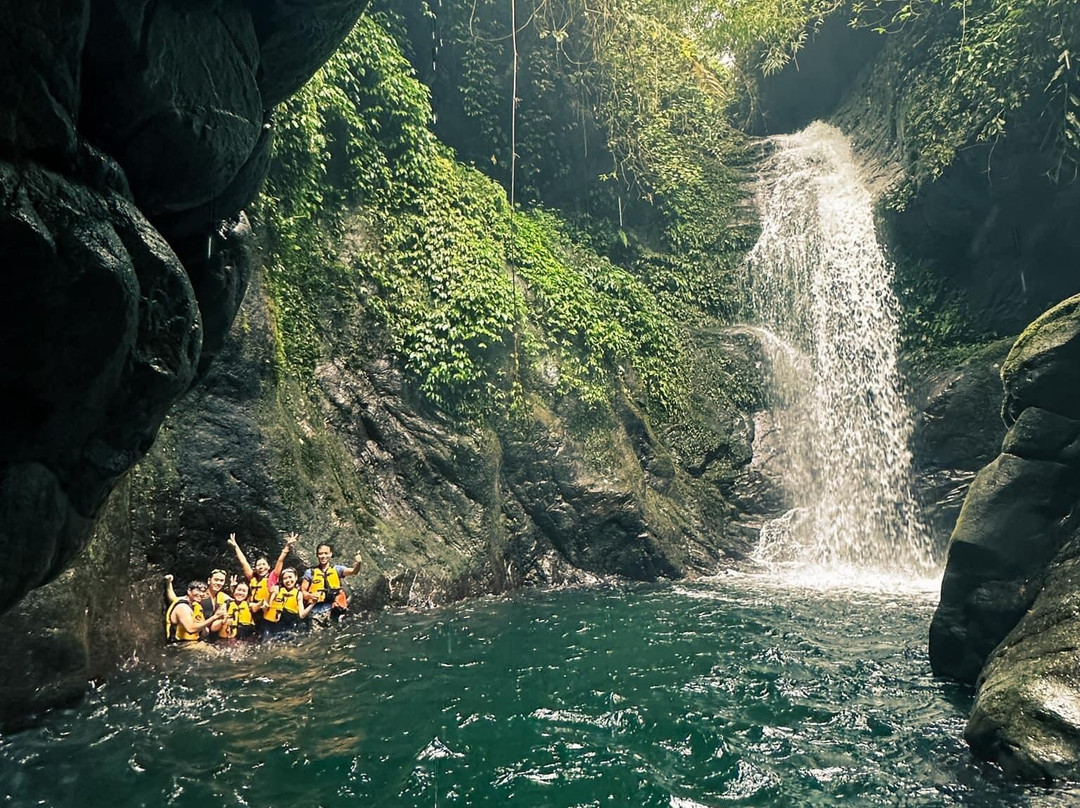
(439, 508)
(167, 150)
(1007, 620)
(132, 135)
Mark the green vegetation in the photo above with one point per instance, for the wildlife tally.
(633, 232)
(939, 324)
(628, 166)
(355, 135)
(974, 70)
(473, 302)
(622, 126)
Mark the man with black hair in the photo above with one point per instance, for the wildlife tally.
(185, 620)
(322, 585)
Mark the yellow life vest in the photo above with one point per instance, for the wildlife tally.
(239, 615)
(175, 632)
(283, 600)
(259, 589)
(243, 613)
(325, 585)
(210, 604)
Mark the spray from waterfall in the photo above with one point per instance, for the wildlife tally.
(821, 286)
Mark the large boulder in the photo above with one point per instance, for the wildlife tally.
(1009, 528)
(295, 38)
(101, 333)
(132, 133)
(1043, 368)
(1012, 560)
(1026, 715)
(169, 90)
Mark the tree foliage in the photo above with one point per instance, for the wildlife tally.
(617, 100)
(473, 302)
(979, 69)
(628, 162)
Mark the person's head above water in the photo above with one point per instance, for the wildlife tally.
(262, 567)
(324, 552)
(216, 581)
(240, 591)
(288, 577)
(197, 588)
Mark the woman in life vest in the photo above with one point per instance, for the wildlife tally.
(322, 585)
(240, 615)
(185, 620)
(261, 579)
(286, 608)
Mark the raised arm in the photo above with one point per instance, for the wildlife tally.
(249, 573)
(170, 593)
(357, 561)
(290, 540)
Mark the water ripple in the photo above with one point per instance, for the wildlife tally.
(735, 691)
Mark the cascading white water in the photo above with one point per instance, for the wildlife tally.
(821, 286)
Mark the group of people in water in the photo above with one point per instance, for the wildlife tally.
(265, 602)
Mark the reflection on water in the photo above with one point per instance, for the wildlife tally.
(740, 690)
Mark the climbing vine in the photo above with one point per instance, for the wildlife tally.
(369, 213)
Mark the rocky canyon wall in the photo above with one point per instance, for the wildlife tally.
(132, 135)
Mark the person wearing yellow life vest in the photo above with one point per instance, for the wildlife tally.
(215, 598)
(239, 623)
(261, 579)
(286, 608)
(185, 620)
(323, 587)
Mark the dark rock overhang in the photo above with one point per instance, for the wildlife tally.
(132, 135)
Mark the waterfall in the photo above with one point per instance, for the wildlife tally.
(820, 287)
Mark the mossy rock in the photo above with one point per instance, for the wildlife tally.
(1043, 368)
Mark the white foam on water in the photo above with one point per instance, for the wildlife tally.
(858, 581)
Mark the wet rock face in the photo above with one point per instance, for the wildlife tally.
(104, 335)
(998, 228)
(958, 431)
(169, 90)
(1027, 712)
(1013, 548)
(439, 508)
(132, 133)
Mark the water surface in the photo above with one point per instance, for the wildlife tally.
(739, 690)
